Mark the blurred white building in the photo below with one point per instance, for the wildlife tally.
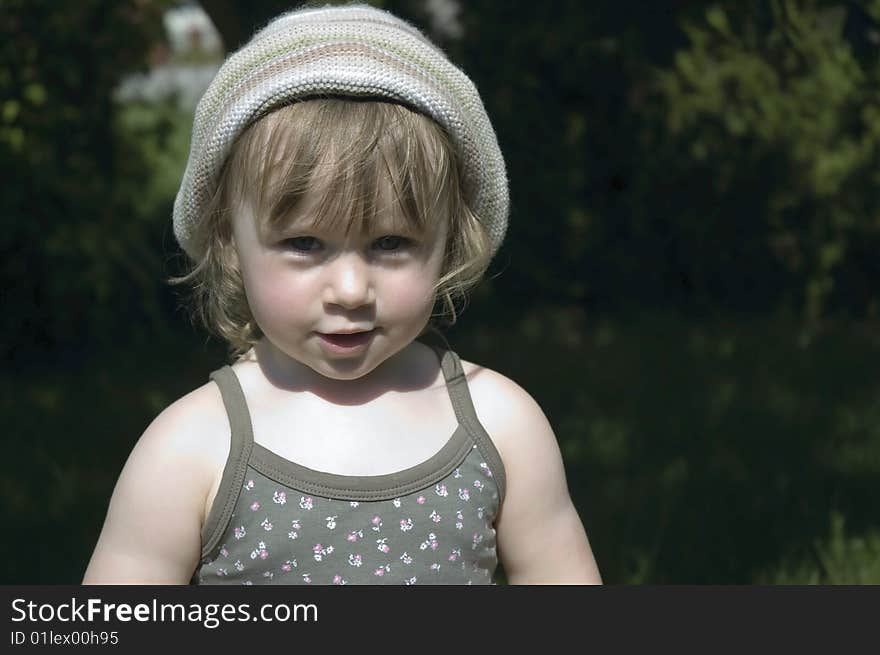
(189, 28)
(186, 64)
(184, 68)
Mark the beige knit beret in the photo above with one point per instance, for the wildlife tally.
(352, 50)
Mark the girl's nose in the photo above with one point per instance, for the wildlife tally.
(349, 282)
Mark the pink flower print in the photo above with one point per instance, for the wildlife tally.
(260, 551)
(307, 578)
(268, 574)
(354, 503)
(464, 494)
(293, 534)
(321, 552)
(288, 565)
(396, 503)
(435, 516)
(478, 485)
(435, 567)
(295, 524)
(459, 525)
(238, 565)
(305, 502)
(420, 500)
(239, 532)
(354, 536)
(266, 524)
(382, 570)
(354, 560)
(382, 546)
(337, 579)
(221, 572)
(454, 554)
(431, 541)
(406, 525)
(377, 524)
(331, 522)
(457, 474)
(406, 559)
(486, 470)
(440, 490)
(224, 552)
(255, 505)
(410, 581)
(279, 497)
(478, 539)
(249, 485)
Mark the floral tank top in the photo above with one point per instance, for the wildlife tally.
(276, 522)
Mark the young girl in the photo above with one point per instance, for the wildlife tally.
(343, 177)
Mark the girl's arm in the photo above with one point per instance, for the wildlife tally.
(152, 532)
(540, 537)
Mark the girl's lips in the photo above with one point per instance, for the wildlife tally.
(345, 344)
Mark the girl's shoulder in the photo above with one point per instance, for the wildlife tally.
(505, 409)
(202, 415)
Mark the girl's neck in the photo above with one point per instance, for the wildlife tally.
(284, 374)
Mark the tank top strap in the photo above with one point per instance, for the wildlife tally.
(456, 384)
(236, 406)
(241, 443)
(460, 395)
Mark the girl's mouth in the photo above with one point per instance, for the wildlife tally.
(346, 344)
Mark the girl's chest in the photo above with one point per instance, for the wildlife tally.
(377, 439)
(374, 440)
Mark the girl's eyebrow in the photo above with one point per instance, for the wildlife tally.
(306, 223)
(290, 224)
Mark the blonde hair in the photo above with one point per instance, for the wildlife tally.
(344, 149)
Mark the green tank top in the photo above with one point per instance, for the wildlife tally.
(276, 522)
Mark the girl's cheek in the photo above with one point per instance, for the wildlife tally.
(274, 297)
(408, 293)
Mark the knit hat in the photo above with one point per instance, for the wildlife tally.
(353, 50)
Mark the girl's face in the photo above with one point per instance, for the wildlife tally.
(301, 282)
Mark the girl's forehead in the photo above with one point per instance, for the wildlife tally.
(355, 227)
(319, 208)
(316, 182)
(309, 214)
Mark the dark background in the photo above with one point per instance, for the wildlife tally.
(689, 285)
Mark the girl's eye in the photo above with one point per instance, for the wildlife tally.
(390, 241)
(390, 244)
(301, 244)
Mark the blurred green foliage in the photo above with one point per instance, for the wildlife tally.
(719, 157)
(75, 241)
(837, 559)
(688, 286)
(778, 92)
